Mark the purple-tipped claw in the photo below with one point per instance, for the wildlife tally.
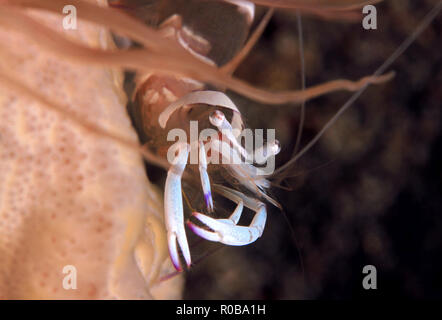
(205, 181)
(203, 233)
(173, 251)
(209, 201)
(173, 209)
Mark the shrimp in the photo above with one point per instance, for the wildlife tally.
(163, 103)
(174, 65)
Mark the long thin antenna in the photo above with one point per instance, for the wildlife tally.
(303, 84)
(298, 138)
(298, 247)
(231, 66)
(400, 50)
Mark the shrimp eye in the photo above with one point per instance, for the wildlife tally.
(276, 147)
(217, 118)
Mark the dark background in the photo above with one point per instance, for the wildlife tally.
(368, 193)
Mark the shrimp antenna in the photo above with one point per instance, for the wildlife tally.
(296, 243)
(174, 274)
(302, 60)
(231, 66)
(298, 137)
(392, 58)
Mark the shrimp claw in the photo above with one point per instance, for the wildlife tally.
(226, 230)
(173, 208)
